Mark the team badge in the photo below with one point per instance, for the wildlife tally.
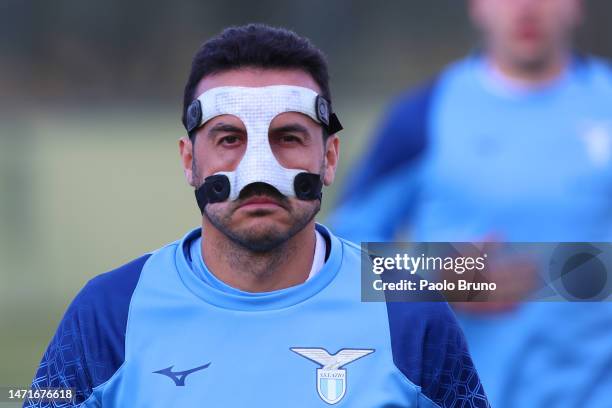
(331, 376)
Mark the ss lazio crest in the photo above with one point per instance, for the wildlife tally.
(331, 377)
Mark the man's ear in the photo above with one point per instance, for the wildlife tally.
(332, 152)
(186, 152)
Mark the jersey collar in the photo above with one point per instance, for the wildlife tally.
(239, 300)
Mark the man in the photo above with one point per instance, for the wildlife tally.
(513, 143)
(260, 306)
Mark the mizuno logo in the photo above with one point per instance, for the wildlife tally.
(331, 377)
(179, 376)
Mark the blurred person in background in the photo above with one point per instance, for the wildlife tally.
(511, 143)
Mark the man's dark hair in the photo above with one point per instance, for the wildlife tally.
(256, 46)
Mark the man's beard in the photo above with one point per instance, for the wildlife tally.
(256, 239)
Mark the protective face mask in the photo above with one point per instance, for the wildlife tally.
(256, 108)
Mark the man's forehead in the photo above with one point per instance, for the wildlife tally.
(257, 77)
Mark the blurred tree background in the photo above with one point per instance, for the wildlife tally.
(90, 103)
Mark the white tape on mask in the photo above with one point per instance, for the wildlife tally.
(256, 108)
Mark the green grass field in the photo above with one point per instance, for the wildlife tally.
(81, 193)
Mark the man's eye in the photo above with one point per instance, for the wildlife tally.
(229, 140)
(289, 139)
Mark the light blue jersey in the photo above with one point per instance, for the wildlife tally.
(163, 331)
(463, 158)
(467, 158)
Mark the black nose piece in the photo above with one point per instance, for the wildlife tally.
(218, 187)
(214, 190)
(304, 187)
(307, 186)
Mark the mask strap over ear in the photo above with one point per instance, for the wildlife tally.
(334, 124)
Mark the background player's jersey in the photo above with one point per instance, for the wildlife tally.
(467, 158)
(160, 332)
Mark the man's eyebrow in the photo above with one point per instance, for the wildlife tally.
(224, 127)
(292, 127)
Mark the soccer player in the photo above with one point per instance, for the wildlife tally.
(512, 143)
(260, 307)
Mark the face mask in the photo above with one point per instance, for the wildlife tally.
(256, 108)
